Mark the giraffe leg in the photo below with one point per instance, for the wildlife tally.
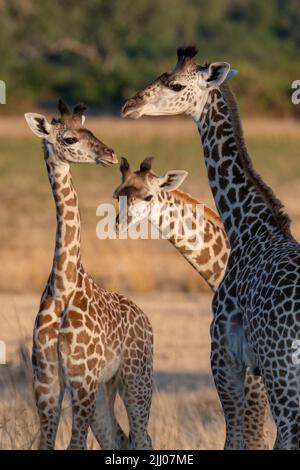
(136, 392)
(104, 425)
(47, 383)
(256, 412)
(48, 399)
(83, 399)
(282, 385)
(229, 376)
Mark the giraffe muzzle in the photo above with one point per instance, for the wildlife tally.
(131, 109)
(107, 158)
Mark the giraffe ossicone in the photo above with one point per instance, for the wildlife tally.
(92, 342)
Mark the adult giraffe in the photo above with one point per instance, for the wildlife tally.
(256, 308)
(83, 335)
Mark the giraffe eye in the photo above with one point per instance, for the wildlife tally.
(176, 86)
(70, 140)
(148, 198)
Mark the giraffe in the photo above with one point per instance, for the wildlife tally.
(256, 318)
(209, 260)
(92, 342)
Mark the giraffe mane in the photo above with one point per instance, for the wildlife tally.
(188, 199)
(267, 193)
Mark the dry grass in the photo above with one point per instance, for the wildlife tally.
(186, 413)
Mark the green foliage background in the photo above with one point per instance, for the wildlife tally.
(102, 51)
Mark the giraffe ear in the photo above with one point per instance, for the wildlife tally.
(172, 180)
(38, 124)
(217, 73)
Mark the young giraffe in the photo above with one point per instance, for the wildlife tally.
(144, 186)
(83, 335)
(256, 308)
(209, 260)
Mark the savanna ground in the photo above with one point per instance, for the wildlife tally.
(186, 411)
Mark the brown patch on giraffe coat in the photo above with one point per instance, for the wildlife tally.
(65, 191)
(217, 246)
(224, 258)
(83, 337)
(75, 369)
(91, 363)
(79, 350)
(59, 282)
(71, 202)
(43, 319)
(71, 272)
(69, 215)
(80, 301)
(82, 393)
(69, 234)
(207, 235)
(46, 334)
(207, 274)
(90, 349)
(73, 251)
(89, 324)
(75, 318)
(204, 257)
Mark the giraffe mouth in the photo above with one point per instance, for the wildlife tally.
(107, 160)
(131, 109)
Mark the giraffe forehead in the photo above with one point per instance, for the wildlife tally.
(135, 182)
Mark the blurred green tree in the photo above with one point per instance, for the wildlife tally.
(101, 51)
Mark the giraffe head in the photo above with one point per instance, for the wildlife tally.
(67, 140)
(182, 91)
(140, 189)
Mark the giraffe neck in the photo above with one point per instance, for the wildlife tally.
(66, 260)
(247, 206)
(210, 259)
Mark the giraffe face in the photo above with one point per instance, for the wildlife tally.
(140, 189)
(67, 140)
(182, 91)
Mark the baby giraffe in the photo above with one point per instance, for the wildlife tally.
(145, 191)
(85, 336)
